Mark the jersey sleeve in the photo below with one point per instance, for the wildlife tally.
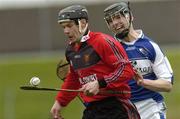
(161, 65)
(71, 82)
(113, 54)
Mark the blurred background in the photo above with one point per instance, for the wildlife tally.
(31, 44)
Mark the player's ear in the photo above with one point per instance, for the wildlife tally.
(83, 22)
(132, 17)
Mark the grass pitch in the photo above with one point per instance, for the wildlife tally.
(19, 104)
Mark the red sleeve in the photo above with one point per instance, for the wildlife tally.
(113, 54)
(71, 82)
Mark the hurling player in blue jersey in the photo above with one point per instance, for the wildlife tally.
(154, 73)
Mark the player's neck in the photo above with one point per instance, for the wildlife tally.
(133, 35)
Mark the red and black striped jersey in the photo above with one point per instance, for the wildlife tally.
(99, 57)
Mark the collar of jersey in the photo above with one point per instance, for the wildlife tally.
(85, 37)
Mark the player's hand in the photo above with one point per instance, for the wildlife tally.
(55, 111)
(91, 88)
(138, 77)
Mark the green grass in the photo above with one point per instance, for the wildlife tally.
(172, 98)
(31, 104)
(37, 104)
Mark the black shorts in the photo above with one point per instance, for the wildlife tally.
(109, 108)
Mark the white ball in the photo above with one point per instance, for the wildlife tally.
(35, 81)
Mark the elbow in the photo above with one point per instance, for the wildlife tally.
(168, 88)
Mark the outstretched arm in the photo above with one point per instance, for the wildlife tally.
(55, 110)
(159, 85)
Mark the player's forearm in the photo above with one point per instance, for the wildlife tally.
(157, 85)
(56, 108)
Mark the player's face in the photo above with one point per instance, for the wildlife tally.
(71, 30)
(117, 22)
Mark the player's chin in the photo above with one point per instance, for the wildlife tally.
(71, 39)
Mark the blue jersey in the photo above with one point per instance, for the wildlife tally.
(149, 60)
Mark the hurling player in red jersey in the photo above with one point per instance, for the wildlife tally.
(97, 63)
